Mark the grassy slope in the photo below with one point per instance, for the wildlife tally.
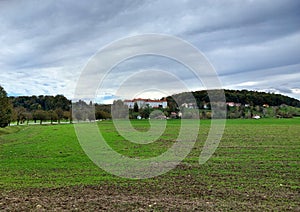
(255, 157)
(9, 130)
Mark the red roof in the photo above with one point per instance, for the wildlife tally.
(145, 100)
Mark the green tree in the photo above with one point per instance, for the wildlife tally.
(100, 114)
(5, 109)
(145, 112)
(68, 116)
(60, 114)
(53, 116)
(135, 107)
(20, 115)
(28, 116)
(40, 115)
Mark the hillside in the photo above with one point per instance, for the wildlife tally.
(240, 104)
(244, 97)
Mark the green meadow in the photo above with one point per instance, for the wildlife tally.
(255, 167)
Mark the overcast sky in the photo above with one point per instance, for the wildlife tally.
(252, 44)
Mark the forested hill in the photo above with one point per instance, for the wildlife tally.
(259, 98)
(252, 98)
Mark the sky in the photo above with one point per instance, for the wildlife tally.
(46, 45)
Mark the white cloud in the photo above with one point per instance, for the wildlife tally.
(282, 80)
(46, 44)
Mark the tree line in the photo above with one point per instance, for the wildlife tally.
(37, 108)
(56, 108)
(245, 97)
(42, 108)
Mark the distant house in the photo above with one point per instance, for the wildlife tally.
(146, 102)
(232, 104)
(173, 115)
(189, 105)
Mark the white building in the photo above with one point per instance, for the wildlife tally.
(189, 105)
(144, 102)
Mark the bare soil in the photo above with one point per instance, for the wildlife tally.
(174, 195)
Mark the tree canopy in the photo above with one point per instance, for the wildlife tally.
(47, 103)
(5, 108)
(252, 98)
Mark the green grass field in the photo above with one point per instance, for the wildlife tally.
(256, 167)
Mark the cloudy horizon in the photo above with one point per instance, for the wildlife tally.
(252, 44)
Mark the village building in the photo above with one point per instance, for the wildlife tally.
(146, 102)
(266, 105)
(230, 104)
(189, 105)
(233, 104)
